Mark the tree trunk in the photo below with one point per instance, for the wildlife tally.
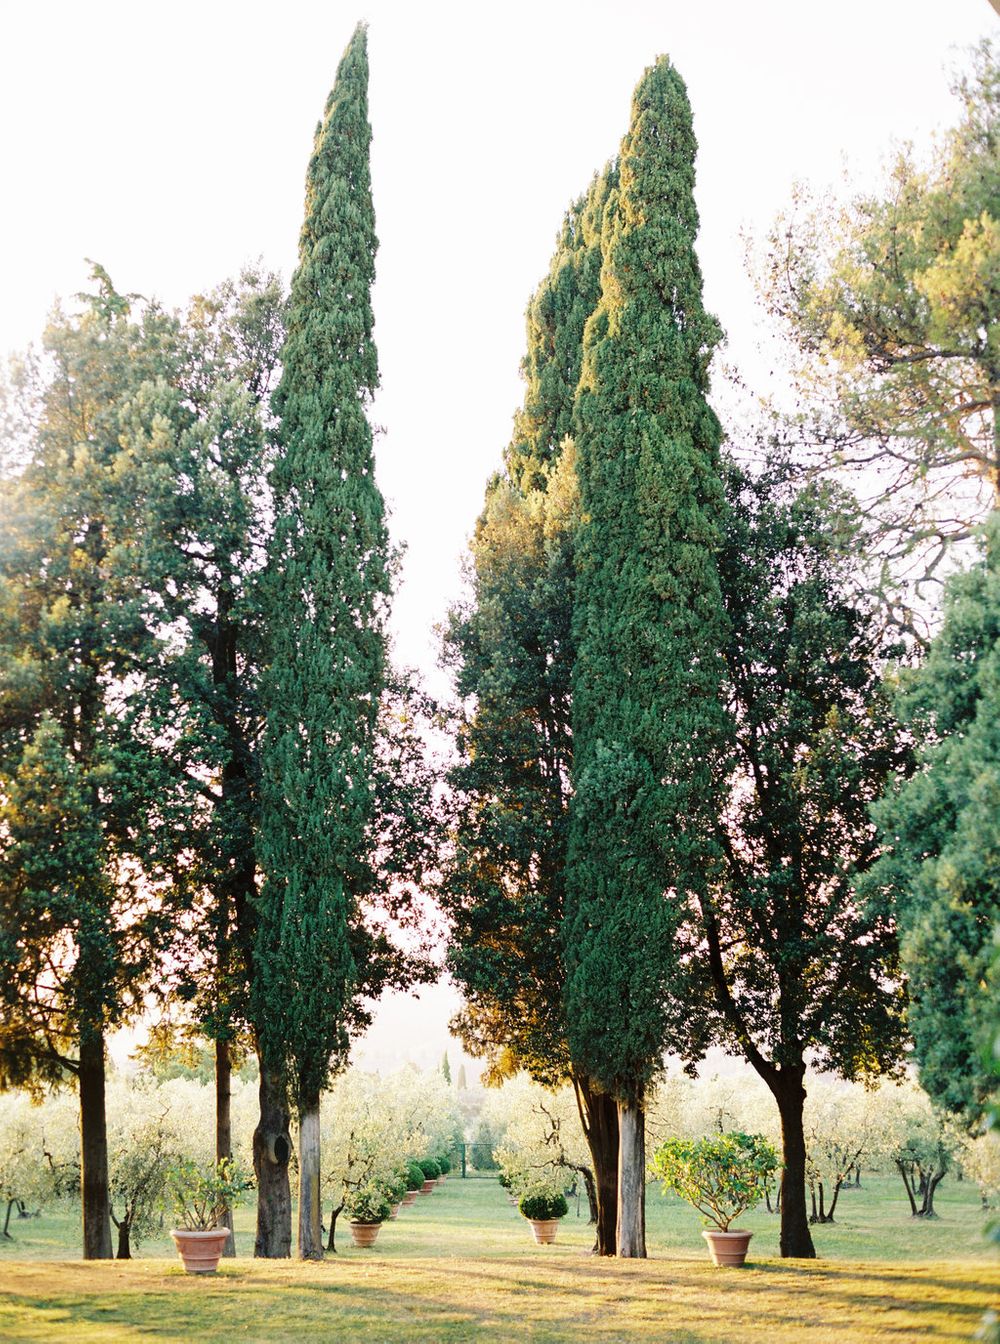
(795, 1238)
(934, 1179)
(331, 1244)
(310, 1221)
(833, 1201)
(94, 1149)
(223, 1125)
(590, 1185)
(124, 1246)
(631, 1228)
(901, 1168)
(271, 1152)
(599, 1114)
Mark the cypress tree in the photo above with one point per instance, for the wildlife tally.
(327, 594)
(511, 653)
(647, 719)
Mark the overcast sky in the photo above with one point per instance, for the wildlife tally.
(169, 142)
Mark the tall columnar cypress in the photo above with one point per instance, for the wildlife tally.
(511, 653)
(327, 594)
(647, 717)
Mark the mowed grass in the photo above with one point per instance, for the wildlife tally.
(460, 1265)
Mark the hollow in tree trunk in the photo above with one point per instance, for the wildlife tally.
(631, 1228)
(795, 1238)
(310, 1221)
(599, 1115)
(271, 1153)
(94, 1149)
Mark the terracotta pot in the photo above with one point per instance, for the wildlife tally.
(364, 1234)
(200, 1251)
(727, 1248)
(544, 1229)
(395, 1209)
(427, 1187)
(410, 1198)
(440, 1180)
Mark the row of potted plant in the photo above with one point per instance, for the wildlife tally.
(722, 1176)
(199, 1195)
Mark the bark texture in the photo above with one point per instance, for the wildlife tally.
(599, 1114)
(631, 1229)
(94, 1149)
(795, 1238)
(223, 1126)
(310, 1221)
(271, 1152)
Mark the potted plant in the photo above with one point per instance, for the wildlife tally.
(431, 1172)
(414, 1177)
(199, 1194)
(722, 1176)
(543, 1208)
(445, 1166)
(367, 1208)
(394, 1188)
(506, 1183)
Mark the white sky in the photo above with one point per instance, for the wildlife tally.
(169, 142)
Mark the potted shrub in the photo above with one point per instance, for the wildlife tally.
(394, 1188)
(543, 1209)
(722, 1176)
(445, 1166)
(367, 1208)
(198, 1195)
(431, 1172)
(414, 1183)
(506, 1182)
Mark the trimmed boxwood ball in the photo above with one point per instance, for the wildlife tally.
(539, 1206)
(429, 1167)
(444, 1164)
(504, 1181)
(414, 1176)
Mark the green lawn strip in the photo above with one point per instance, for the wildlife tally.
(461, 1265)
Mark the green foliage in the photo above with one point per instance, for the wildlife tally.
(414, 1176)
(942, 837)
(892, 303)
(444, 1163)
(722, 1176)
(510, 652)
(430, 1167)
(798, 966)
(326, 596)
(198, 1194)
(647, 619)
(367, 1205)
(541, 1204)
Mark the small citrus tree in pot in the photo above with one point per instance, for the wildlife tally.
(543, 1207)
(367, 1208)
(199, 1194)
(722, 1176)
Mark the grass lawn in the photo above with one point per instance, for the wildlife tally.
(460, 1265)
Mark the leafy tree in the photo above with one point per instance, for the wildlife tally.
(921, 1147)
(892, 304)
(799, 968)
(87, 813)
(942, 838)
(647, 624)
(194, 470)
(510, 651)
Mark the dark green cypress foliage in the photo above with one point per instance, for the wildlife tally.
(328, 591)
(511, 653)
(647, 717)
